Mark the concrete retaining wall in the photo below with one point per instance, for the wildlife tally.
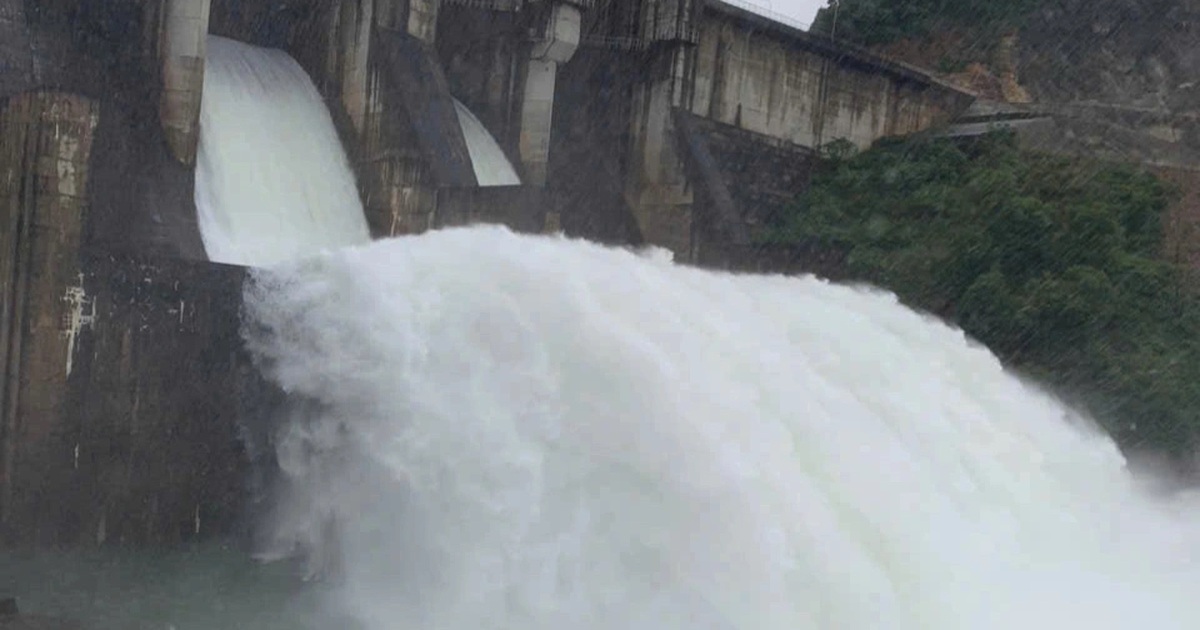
(764, 77)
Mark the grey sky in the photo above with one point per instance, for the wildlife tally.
(802, 11)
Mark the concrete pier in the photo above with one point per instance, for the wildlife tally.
(182, 43)
(556, 44)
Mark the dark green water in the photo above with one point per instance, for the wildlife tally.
(204, 589)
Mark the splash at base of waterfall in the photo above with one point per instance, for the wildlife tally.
(537, 433)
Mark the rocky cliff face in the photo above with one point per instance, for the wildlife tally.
(1138, 53)
(1120, 78)
(1129, 73)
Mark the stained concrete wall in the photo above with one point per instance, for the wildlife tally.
(774, 80)
(757, 179)
(17, 69)
(376, 63)
(591, 145)
(159, 394)
(123, 379)
(43, 175)
(521, 208)
(767, 78)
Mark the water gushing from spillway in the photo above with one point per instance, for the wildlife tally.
(272, 182)
(491, 165)
(496, 431)
(536, 433)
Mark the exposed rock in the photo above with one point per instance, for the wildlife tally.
(1139, 53)
(1135, 54)
(1110, 79)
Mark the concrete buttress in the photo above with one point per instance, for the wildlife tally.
(556, 44)
(182, 51)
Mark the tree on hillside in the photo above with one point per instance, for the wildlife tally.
(1052, 262)
(875, 22)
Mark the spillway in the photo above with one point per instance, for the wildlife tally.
(272, 181)
(492, 167)
(256, 208)
(537, 433)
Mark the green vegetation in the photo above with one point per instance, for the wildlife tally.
(873, 22)
(1054, 263)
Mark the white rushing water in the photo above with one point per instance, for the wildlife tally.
(502, 432)
(272, 182)
(491, 165)
(535, 433)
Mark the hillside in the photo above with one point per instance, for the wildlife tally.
(1140, 54)
(997, 235)
(1119, 78)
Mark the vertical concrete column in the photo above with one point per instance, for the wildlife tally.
(43, 181)
(182, 47)
(658, 190)
(350, 58)
(537, 115)
(558, 42)
(405, 76)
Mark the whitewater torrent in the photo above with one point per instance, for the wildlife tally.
(536, 433)
(514, 432)
(253, 206)
(491, 165)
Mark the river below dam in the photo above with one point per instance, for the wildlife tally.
(206, 588)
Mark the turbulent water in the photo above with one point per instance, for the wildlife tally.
(537, 433)
(492, 431)
(272, 182)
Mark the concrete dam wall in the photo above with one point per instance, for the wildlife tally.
(129, 407)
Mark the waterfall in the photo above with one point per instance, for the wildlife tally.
(272, 181)
(492, 167)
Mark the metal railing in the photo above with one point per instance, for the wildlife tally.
(494, 5)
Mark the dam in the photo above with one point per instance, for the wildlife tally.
(680, 124)
(415, 294)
